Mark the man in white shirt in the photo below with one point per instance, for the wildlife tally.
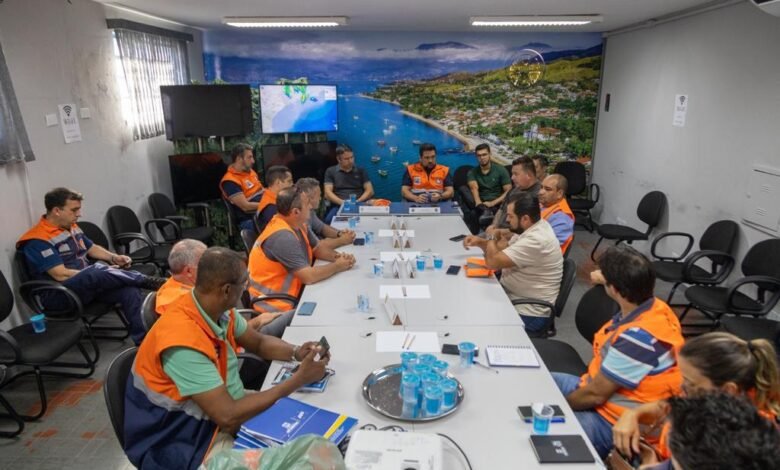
(529, 256)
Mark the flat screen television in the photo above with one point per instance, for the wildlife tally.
(304, 160)
(206, 110)
(195, 177)
(298, 108)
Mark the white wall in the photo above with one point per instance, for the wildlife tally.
(63, 53)
(728, 62)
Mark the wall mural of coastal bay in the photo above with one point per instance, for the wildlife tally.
(455, 90)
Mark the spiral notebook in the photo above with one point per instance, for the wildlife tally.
(512, 356)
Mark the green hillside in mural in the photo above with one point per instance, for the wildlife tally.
(555, 116)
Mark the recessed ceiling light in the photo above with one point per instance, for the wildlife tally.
(284, 21)
(537, 20)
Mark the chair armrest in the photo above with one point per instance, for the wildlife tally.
(285, 297)
(717, 257)
(204, 207)
(178, 218)
(667, 235)
(763, 283)
(13, 344)
(31, 293)
(124, 240)
(162, 222)
(594, 188)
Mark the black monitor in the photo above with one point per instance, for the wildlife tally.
(304, 160)
(195, 177)
(206, 110)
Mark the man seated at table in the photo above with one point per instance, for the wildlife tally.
(633, 354)
(556, 210)
(344, 180)
(488, 184)
(281, 261)
(241, 187)
(328, 235)
(425, 181)
(277, 178)
(529, 257)
(56, 249)
(183, 264)
(524, 180)
(184, 399)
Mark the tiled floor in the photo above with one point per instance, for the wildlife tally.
(76, 432)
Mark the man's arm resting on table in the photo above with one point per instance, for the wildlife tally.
(449, 191)
(368, 192)
(407, 194)
(593, 394)
(495, 258)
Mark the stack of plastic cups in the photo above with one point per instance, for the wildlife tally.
(408, 360)
(410, 384)
(433, 399)
(440, 367)
(427, 359)
(449, 389)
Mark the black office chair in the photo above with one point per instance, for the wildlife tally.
(148, 310)
(21, 347)
(163, 208)
(716, 245)
(114, 388)
(556, 310)
(460, 182)
(568, 248)
(595, 309)
(577, 178)
(248, 237)
(749, 329)
(125, 229)
(761, 267)
(95, 233)
(650, 210)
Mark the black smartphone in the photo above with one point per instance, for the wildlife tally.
(359, 241)
(306, 308)
(453, 270)
(458, 238)
(325, 347)
(527, 414)
(453, 349)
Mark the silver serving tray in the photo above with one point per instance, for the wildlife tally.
(380, 390)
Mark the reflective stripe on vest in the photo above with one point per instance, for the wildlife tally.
(268, 277)
(423, 181)
(560, 206)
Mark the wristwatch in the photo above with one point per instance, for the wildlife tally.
(490, 238)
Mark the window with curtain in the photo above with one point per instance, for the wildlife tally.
(148, 61)
(14, 143)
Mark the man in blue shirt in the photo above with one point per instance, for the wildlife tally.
(56, 249)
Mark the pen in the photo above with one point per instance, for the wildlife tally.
(485, 366)
(403, 346)
(403, 289)
(412, 341)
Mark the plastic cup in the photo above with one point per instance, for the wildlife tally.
(466, 351)
(438, 261)
(410, 407)
(410, 383)
(408, 360)
(433, 396)
(353, 221)
(379, 270)
(421, 369)
(353, 199)
(427, 359)
(369, 236)
(431, 378)
(440, 367)
(38, 322)
(542, 417)
(363, 303)
(449, 390)
(421, 263)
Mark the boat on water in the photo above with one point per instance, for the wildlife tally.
(375, 158)
(381, 143)
(416, 142)
(382, 173)
(355, 117)
(393, 149)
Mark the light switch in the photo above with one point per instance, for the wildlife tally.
(51, 120)
(85, 114)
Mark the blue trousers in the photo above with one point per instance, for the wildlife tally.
(534, 324)
(598, 429)
(248, 224)
(101, 283)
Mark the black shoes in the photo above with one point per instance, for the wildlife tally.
(152, 283)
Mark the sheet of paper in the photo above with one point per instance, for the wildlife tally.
(70, 123)
(417, 341)
(680, 110)
(374, 209)
(412, 292)
(387, 256)
(389, 233)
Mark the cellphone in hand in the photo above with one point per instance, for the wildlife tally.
(324, 346)
(527, 414)
(458, 238)
(453, 270)
(306, 308)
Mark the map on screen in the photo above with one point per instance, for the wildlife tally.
(298, 108)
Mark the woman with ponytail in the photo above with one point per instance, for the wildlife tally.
(711, 362)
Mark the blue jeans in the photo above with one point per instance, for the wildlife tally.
(598, 429)
(534, 324)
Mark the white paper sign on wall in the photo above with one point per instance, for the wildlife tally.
(680, 110)
(70, 123)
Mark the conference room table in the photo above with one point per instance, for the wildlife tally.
(486, 425)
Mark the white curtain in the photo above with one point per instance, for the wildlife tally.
(149, 61)
(14, 143)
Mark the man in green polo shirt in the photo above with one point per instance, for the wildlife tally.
(489, 184)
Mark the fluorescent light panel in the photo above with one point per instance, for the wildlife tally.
(284, 21)
(537, 20)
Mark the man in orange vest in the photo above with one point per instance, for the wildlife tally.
(281, 261)
(634, 354)
(241, 187)
(185, 399)
(555, 209)
(277, 178)
(425, 181)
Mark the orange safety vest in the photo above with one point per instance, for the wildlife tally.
(661, 322)
(477, 267)
(69, 244)
(560, 206)
(248, 181)
(268, 277)
(268, 198)
(169, 293)
(423, 181)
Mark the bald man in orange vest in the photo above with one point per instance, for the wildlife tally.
(555, 209)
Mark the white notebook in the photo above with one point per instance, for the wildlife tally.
(512, 356)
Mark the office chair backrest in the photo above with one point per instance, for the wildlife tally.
(114, 390)
(720, 236)
(248, 236)
(567, 282)
(231, 216)
(763, 259)
(94, 233)
(651, 209)
(22, 270)
(149, 310)
(460, 177)
(161, 205)
(595, 309)
(6, 298)
(575, 175)
(122, 219)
